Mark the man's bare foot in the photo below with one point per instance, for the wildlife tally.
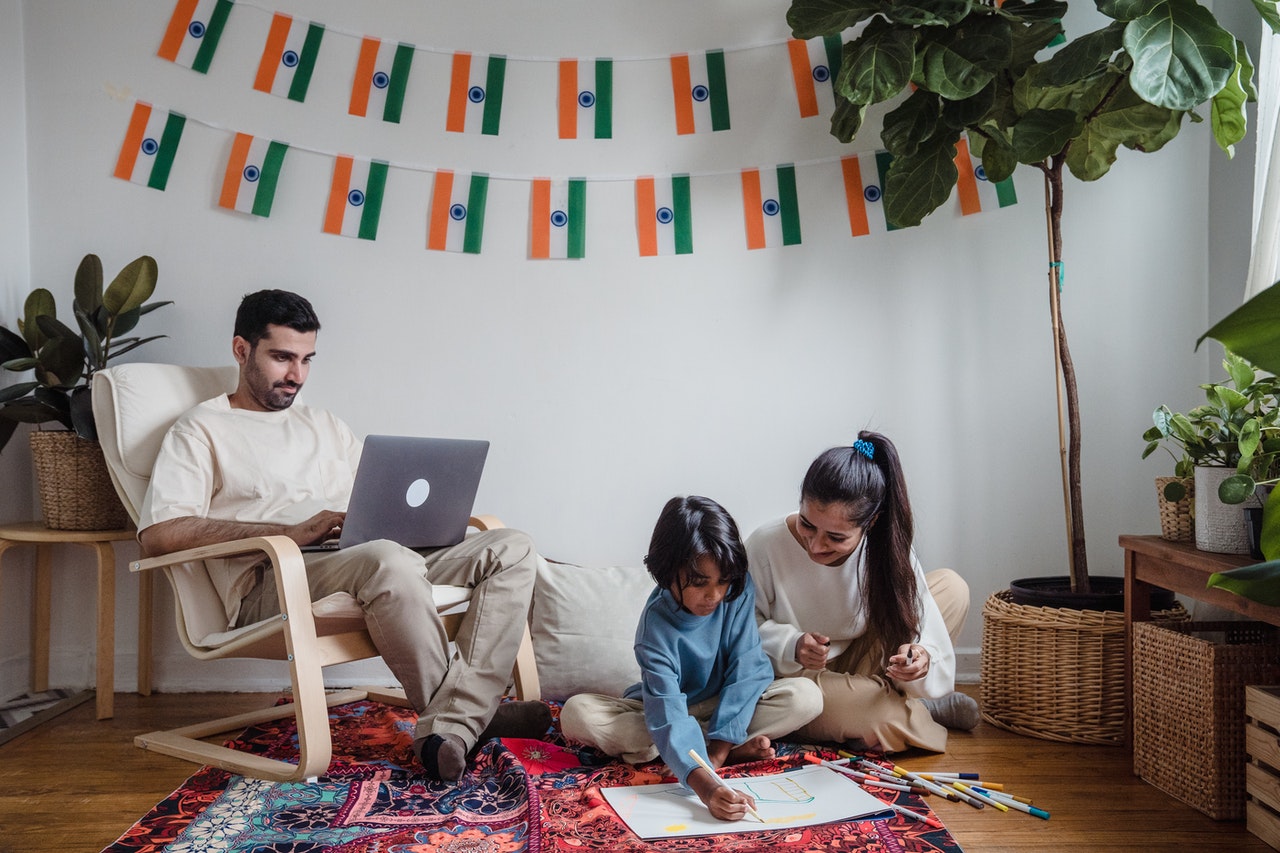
(757, 748)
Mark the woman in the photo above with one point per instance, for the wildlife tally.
(842, 600)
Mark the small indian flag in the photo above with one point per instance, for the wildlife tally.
(355, 197)
(457, 211)
(558, 218)
(193, 32)
(586, 99)
(770, 208)
(150, 143)
(475, 93)
(289, 57)
(863, 176)
(382, 74)
(814, 66)
(664, 216)
(700, 90)
(253, 169)
(975, 192)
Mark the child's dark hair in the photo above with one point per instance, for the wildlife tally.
(273, 308)
(867, 479)
(688, 528)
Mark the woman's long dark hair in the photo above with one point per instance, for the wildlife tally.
(874, 494)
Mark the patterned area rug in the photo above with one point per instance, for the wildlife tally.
(517, 797)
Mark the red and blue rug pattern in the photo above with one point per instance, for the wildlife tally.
(516, 797)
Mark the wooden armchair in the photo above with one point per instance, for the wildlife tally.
(134, 405)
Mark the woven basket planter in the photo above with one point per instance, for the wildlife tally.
(75, 489)
(1177, 518)
(1054, 672)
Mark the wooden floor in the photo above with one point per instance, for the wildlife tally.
(77, 785)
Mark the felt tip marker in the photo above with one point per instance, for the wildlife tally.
(1015, 804)
(702, 762)
(934, 822)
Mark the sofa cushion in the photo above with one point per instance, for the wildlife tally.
(583, 622)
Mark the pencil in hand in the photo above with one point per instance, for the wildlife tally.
(703, 763)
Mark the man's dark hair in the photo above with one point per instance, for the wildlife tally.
(273, 308)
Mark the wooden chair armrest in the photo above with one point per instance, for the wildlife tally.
(276, 548)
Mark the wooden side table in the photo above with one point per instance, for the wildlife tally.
(35, 533)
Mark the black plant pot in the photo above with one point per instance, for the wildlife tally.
(1105, 593)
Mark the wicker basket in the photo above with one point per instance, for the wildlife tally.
(1188, 714)
(1054, 672)
(1177, 518)
(75, 489)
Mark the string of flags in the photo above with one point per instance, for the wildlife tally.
(664, 208)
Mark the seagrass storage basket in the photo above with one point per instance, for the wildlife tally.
(1054, 672)
(1177, 521)
(1188, 707)
(75, 489)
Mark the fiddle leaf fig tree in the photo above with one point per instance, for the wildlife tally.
(980, 68)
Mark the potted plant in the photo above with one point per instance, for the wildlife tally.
(1230, 443)
(76, 492)
(975, 67)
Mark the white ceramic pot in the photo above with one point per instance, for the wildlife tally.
(1219, 527)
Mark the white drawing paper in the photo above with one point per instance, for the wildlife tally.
(804, 797)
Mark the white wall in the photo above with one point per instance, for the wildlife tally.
(609, 384)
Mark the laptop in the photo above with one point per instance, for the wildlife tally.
(418, 492)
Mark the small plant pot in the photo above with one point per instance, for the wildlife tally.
(1177, 517)
(1220, 527)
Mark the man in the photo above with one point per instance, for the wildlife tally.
(251, 463)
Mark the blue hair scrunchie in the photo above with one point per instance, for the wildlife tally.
(866, 448)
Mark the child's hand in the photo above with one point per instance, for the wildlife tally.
(723, 802)
(909, 664)
(811, 651)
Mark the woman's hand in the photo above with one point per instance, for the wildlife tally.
(812, 650)
(909, 664)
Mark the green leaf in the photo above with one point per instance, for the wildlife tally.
(1126, 10)
(1260, 582)
(132, 344)
(17, 390)
(1044, 133)
(88, 285)
(1125, 120)
(12, 346)
(971, 111)
(61, 361)
(1152, 447)
(1269, 541)
(811, 18)
(33, 412)
(847, 119)
(1181, 57)
(39, 302)
(929, 13)
(1250, 438)
(1236, 489)
(999, 160)
(1037, 10)
(877, 65)
(1252, 330)
(1174, 491)
(1270, 12)
(1241, 371)
(947, 68)
(1227, 114)
(1026, 42)
(92, 340)
(132, 286)
(916, 186)
(1083, 55)
(912, 124)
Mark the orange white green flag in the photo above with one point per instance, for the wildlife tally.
(863, 176)
(664, 215)
(289, 57)
(150, 144)
(586, 99)
(558, 218)
(700, 90)
(770, 207)
(382, 76)
(252, 173)
(475, 93)
(814, 66)
(456, 221)
(193, 32)
(975, 192)
(355, 197)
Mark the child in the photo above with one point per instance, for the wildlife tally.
(701, 665)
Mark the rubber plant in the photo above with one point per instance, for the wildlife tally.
(63, 360)
(981, 69)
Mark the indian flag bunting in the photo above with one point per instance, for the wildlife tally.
(355, 197)
(253, 169)
(975, 192)
(664, 219)
(769, 207)
(150, 143)
(701, 93)
(863, 176)
(456, 221)
(586, 99)
(382, 74)
(814, 66)
(475, 93)
(289, 57)
(558, 219)
(193, 32)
